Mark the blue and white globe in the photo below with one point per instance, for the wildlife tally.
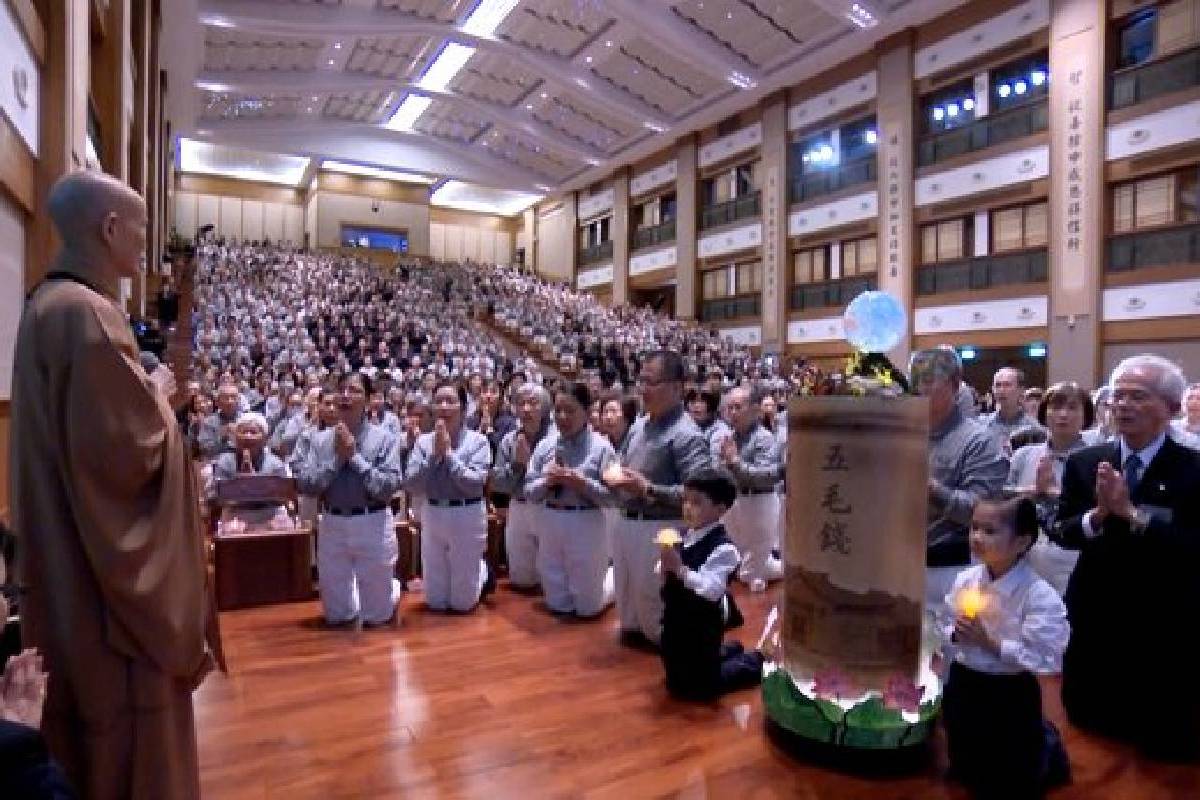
(874, 322)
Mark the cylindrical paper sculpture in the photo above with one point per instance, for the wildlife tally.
(850, 669)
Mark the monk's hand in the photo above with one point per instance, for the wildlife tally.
(163, 380)
(23, 689)
(343, 442)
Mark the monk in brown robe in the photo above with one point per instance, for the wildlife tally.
(106, 513)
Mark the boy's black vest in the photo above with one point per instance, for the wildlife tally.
(678, 599)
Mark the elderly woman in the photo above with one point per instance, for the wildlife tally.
(249, 457)
(524, 522)
(564, 475)
(450, 467)
(1037, 470)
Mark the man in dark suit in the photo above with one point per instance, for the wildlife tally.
(1132, 507)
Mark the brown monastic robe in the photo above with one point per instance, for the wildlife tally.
(110, 549)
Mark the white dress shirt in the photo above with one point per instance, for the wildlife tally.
(711, 581)
(1022, 612)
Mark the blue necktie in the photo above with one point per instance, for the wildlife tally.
(1133, 472)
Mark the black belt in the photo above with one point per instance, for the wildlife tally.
(356, 511)
(756, 491)
(654, 516)
(470, 501)
(558, 507)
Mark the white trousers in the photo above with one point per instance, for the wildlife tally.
(453, 540)
(752, 524)
(638, 586)
(572, 561)
(521, 533)
(356, 563)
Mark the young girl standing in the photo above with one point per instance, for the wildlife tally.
(1009, 624)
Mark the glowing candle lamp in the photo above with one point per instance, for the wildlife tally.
(971, 601)
(668, 537)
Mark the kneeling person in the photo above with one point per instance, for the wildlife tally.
(697, 606)
(564, 473)
(250, 457)
(354, 467)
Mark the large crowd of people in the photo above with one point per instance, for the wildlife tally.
(651, 476)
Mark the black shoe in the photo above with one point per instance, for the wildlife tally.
(731, 648)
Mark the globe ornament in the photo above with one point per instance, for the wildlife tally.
(874, 322)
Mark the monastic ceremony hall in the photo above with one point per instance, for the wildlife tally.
(699, 399)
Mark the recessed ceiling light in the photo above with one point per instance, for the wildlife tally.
(544, 95)
(588, 59)
(529, 106)
(337, 45)
(608, 43)
(331, 62)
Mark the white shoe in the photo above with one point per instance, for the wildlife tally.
(758, 585)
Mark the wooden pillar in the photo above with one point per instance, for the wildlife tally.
(687, 216)
(111, 88)
(139, 130)
(897, 235)
(1077, 193)
(63, 118)
(775, 258)
(620, 237)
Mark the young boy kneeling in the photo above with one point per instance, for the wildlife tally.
(697, 605)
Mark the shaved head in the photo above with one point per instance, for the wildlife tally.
(102, 223)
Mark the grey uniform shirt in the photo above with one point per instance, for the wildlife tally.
(758, 468)
(665, 451)
(715, 433)
(212, 438)
(968, 467)
(1002, 429)
(461, 475)
(227, 466)
(508, 477)
(588, 452)
(370, 477)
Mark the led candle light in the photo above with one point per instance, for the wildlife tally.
(614, 473)
(970, 602)
(668, 537)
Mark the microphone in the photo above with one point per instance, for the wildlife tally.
(149, 361)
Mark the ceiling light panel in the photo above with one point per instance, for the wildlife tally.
(449, 122)
(439, 10)
(486, 17)
(494, 78)
(483, 199)
(559, 27)
(230, 49)
(374, 172)
(762, 31)
(399, 57)
(646, 70)
(408, 112)
(452, 58)
(231, 162)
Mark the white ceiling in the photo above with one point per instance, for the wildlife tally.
(548, 95)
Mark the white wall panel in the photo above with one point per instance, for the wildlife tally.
(971, 43)
(207, 210)
(1153, 301)
(229, 217)
(437, 241)
(252, 220)
(273, 225)
(470, 237)
(185, 214)
(503, 247)
(983, 176)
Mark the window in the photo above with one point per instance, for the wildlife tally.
(1160, 200)
(857, 140)
(860, 257)
(714, 284)
(1177, 27)
(944, 241)
(648, 214)
(749, 278)
(812, 265)
(1135, 39)
(1019, 82)
(728, 185)
(1019, 228)
(949, 108)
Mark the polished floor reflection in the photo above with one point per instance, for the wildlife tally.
(510, 702)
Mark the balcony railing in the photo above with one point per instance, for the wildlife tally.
(731, 210)
(994, 129)
(1141, 82)
(972, 274)
(1179, 245)
(655, 234)
(830, 294)
(806, 187)
(746, 305)
(597, 252)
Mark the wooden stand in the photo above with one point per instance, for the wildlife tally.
(256, 569)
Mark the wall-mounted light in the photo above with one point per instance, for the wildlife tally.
(967, 353)
(1037, 350)
(1004, 90)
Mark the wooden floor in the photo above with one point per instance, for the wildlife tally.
(509, 702)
